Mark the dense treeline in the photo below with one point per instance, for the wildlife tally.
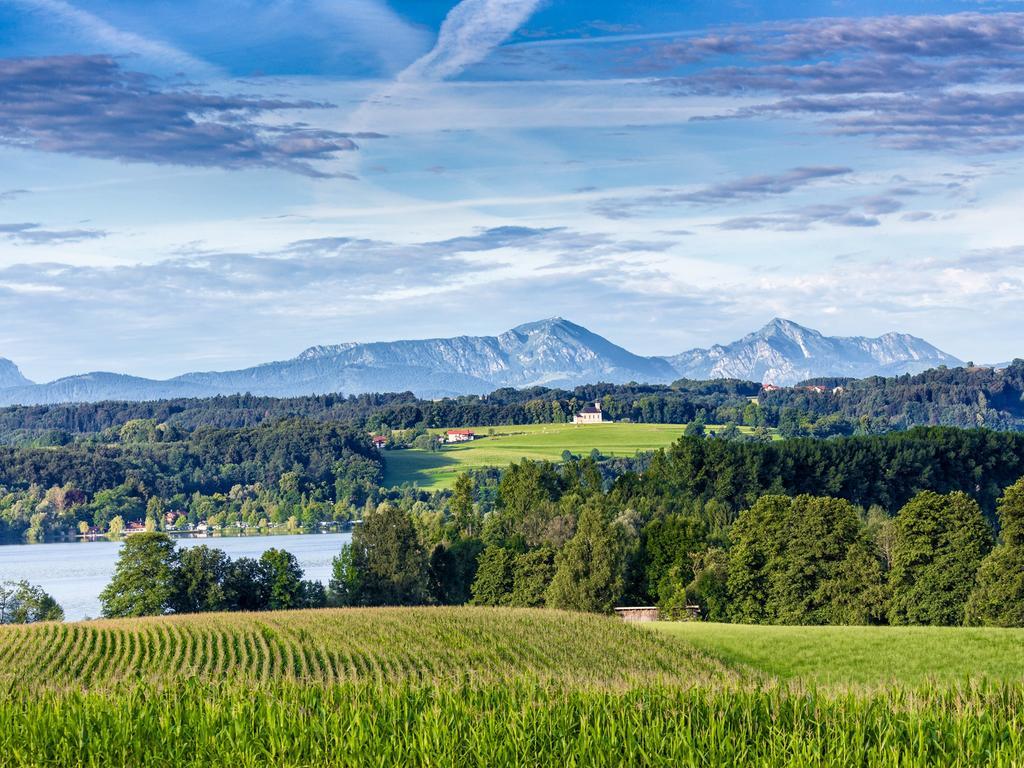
(676, 404)
(153, 577)
(885, 470)
(960, 397)
(311, 471)
(557, 540)
(955, 397)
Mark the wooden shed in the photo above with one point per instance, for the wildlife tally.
(638, 613)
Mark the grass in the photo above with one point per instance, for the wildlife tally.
(433, 470)
(487, 687)
(861, 656)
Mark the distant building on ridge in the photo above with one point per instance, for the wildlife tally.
(591, 414)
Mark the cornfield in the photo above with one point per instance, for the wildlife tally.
(353, 645)
(452, 687)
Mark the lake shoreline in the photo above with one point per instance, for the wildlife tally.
(227, 533)
(75, 575)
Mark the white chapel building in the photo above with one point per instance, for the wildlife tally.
(591, 414)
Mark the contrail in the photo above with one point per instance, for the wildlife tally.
(469, 33)
(118, 40)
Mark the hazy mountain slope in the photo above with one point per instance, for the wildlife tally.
(550, 352)
(784, 353)
(94, 387)
(10, 375)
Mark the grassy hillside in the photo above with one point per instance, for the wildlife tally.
(831, 656)
(501, 446)
(466, 687)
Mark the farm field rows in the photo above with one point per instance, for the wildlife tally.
(481, 687)
(336, 645)
(501, 446)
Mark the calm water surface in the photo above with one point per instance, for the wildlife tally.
(75, 573)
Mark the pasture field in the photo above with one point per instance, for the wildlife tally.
(860, 656)
(466, 687)
(501, 446)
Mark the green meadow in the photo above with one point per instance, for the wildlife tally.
(501, 446)
(859, 656)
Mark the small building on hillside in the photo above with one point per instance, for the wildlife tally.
(379, 441)
(591, 414)
(459, 436)
(770, 388)
(638, 613)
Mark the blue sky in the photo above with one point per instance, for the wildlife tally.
(206, 185)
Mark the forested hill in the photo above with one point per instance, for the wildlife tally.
(307, 470)
(679, 403)
(961, 397)
(881, 470)
(955, 397)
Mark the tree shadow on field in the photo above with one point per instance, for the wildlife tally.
(415, 466)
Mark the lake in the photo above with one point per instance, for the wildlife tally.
(75, 573)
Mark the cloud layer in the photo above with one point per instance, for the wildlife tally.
(911, 82)
(90, 105)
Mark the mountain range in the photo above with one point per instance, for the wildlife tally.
(553, 352)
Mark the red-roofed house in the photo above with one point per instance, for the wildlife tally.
(459, 436)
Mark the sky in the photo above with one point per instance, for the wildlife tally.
(207, 185)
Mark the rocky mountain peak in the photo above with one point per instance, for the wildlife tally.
(11, 376)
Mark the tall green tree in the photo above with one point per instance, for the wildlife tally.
(464, 514)
(710, 586)
(820, 534)
(24, 603)
(199, 580)
(524, 487)
(247, 585)
(387, 555)
(668, 544)
(940, 541)
(493, 582)
(758, 538)
(998, 597)
(286, 587)
(802, 561)
(855, 592)
(589, 570)
(143, 583)
(343, 588)
(532, 573)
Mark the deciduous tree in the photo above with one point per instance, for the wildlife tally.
(940, 541)
(143, 583)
